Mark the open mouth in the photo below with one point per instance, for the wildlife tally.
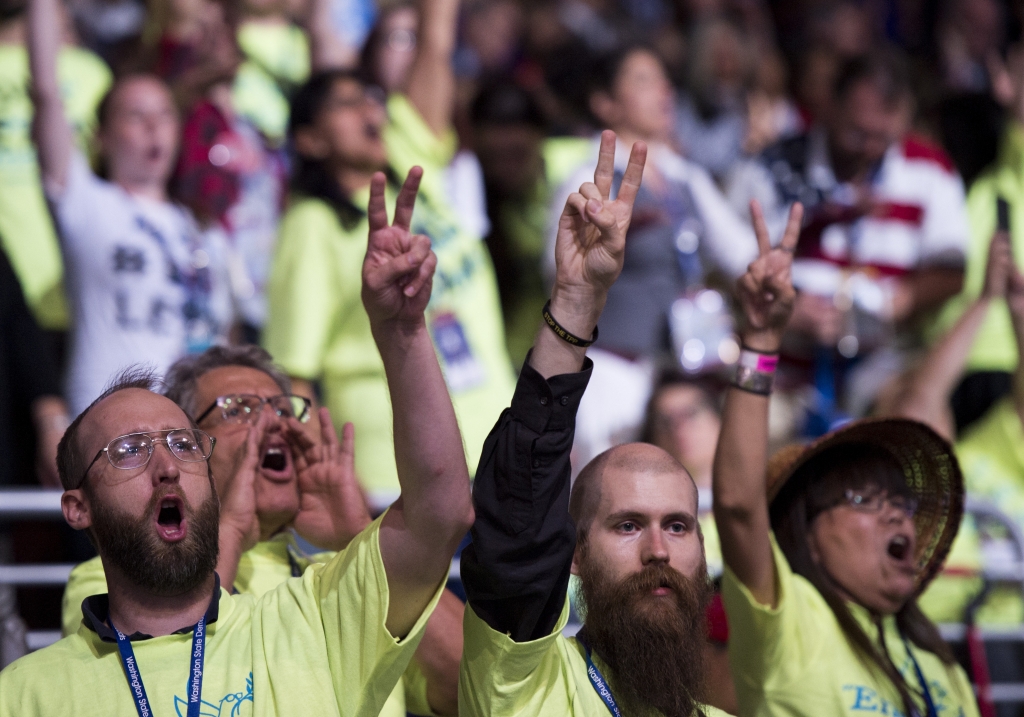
(276, 464)
(899, 547)
(170, 519)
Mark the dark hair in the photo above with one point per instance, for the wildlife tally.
(71, 463)
(605, 69)
(310, 176)
(819, 485)
(709, 387)
(184, 374)
(884, 68)
(11, 9)
(506, 103)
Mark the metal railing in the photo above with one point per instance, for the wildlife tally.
(44, 504)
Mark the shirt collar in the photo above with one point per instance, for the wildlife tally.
(96, 611)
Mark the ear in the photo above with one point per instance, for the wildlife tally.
(311, 144)
(75, 507)
(812, 543)
(577, 559)
(604, 108)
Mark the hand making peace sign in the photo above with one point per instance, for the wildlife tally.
(399, 266)
(766, 291)
(591, 239)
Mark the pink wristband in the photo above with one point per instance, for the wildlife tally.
(762, 363)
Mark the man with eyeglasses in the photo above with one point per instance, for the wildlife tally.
(167, 638)
(306, 485)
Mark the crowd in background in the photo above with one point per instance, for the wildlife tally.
(219, 196)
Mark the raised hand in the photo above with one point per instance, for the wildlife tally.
(332, 509)
(999, 266)
(766, 291)
(591, 239)
(399, 266)
(238, 519)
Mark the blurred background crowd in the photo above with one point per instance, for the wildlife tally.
(218, 195)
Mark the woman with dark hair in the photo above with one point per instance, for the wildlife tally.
(343, 131)
(827, 550)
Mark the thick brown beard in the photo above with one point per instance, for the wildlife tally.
(656, 646)
(132, 545)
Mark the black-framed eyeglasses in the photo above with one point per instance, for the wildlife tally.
(874, 502)
(246, 407)
(134, 450)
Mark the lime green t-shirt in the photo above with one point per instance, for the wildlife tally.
(317, 327)
(276, 62)
(315, 645)
(547, 677)
(260, 570)
(26, 229)
(794, 659)
(991, 455)
(995, 348)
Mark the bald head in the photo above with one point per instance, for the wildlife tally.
(630, 459)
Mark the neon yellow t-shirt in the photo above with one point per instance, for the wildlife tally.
(26, 229)
(546, 677)
(317, 327)
(315, 645)
(276, 60)
(795, 660)
(995, 347)
(991, 455)
(260, 570)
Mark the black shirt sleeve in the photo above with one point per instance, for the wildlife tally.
(516, 570)
(30, 368)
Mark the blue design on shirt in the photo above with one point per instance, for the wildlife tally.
(231, 702)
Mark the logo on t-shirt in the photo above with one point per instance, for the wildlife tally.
(230, 705)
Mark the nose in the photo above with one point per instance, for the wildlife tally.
(163, 466)
(655, 548)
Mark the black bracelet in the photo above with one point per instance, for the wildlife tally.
(562, 333)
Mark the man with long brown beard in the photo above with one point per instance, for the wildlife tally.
(628, 529)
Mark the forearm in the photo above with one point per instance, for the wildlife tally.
(740, 502)
(516, 570)
(429, 454)
(49, 127)
(439, 654)
(230, 546)
(327, 51)
(932, 384)
(431, 84)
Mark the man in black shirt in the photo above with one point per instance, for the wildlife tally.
(629, 528)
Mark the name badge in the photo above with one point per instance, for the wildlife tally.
(462, 371)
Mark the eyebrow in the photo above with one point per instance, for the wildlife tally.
(638, 516)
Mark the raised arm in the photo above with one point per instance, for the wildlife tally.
(50, 128)
(327, 49)
(929, 387)
(1015, 303)
(740, 502)
(516, 570)
(431, 85)
(424, 526)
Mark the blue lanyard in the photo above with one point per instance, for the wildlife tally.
(194, 690)
(928, 702)
(598, 681)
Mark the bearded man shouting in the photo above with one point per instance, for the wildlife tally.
(628, 529)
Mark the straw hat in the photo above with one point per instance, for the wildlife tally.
(928, 463)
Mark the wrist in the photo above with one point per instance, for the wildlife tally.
(767, 342)
(577, 309)
(398, 333)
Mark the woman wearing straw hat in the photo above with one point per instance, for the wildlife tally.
(827, 549)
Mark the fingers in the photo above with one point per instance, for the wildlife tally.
(634, 174)
(348, 441)
(407, 198)
(403, 265)
(605, 171)
(576, 204)
(423, 277)
(377, 210)
(764, 243)
(327, 434)
(792, 233)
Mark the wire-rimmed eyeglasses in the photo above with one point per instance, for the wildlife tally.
(246, 407)
(133, 450)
